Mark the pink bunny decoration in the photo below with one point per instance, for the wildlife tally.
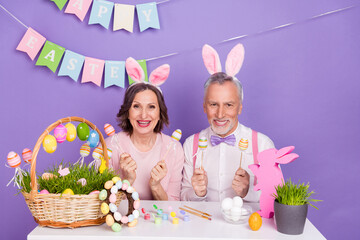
(157, 77)
(269, 176)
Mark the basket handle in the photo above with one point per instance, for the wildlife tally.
(33, 185)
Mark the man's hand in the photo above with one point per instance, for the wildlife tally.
(199, 182)
(240, 183)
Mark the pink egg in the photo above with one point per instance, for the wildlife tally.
(124, 186)
(112, 198)
(136, 204)
(60, 133)
(94, 192)
(27, 154)
(44, 191)
(124, 219)
(13, 159)
(109, 130)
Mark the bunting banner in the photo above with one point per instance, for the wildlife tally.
(148, 16)
(50, 56)
(60, 3)
(78, 7)
(93, 70)
(71, 65)
(31, 43)
(101, 13)
(114, 74)
(124, 17)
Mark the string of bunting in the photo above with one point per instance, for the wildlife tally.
(102, 10)
(93, 69)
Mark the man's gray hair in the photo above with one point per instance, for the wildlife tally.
(221, 78)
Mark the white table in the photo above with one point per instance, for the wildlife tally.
(196, 228)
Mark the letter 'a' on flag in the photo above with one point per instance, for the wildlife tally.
(60, 3)
(50, 56)
(31, 43)
(142, 64)
(148, 16)
(114, 73)
(101, 12)
(124, 17)
(93, 70)
(78, 7)
(71, 65)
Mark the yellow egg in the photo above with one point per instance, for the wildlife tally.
(71, 132)
(109, 220)
(68, 191)
(109, 184)
(104, 208)
(49, 143)
(116, 179)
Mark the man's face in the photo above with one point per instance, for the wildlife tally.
(222, 107)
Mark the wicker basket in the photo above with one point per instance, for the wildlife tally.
(60, 211)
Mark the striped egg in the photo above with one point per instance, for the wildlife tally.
(85, 150)
(109, 152)
(27, 155)
(97, 153)
(13, 159)
(71, 132)
(60, 133)
(243, 144)
(109, 130)
(177, 134)
(203, 142)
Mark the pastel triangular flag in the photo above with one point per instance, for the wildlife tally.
(142, 64)
(71, 65)
(78, 7)
(114, 73)
(60, 3)
(93, 70)
(124, 17)
(101, 12)
(50, 56)
(148, 16)
(31, 43)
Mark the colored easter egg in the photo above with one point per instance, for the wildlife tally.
(117, 216)
(135, 195)
(108, 184)
(131, 218)
(83, 131)
(68, 191)
(47, 176)
(27, 155)
(136, 204)
(103, 195)
(119, 184)
(94, 192)
(97, 153)
(133, 223)
(85, 150)
(124, 186)
(71, 132)
(44, 191)
(93, 139)
(136, 213)
(127, 182)
(116, 179)
(109, 220)
(104, 208)
(203, 143)
(114, 189)
(60, 133)
(109, 130)
(243, 144)
(130, 189)
(13, 159)
(177, 134)
(113, 208)
(116, 227)
(109, 152)
(112, 198)
(124, 219)
(49, 143)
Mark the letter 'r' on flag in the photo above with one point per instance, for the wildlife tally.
(114, 73)
(148, 16)
(124, 17)
(71, 65)
(78, 7)
(93, 70)
(101, 12)
(31, 43)
(50, 56)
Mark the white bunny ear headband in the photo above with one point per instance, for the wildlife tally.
(157, 77)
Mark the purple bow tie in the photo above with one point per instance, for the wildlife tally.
(230, 140)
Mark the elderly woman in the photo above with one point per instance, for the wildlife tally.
(139, 150)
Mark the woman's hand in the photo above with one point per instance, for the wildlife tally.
(128, 167)
(158, 173)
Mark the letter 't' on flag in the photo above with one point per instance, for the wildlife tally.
(114, 73)
(93, 70)
(50, 56)
(31, 43)
(142, 64)
(101, 12)
(124, 17)
(71, 65)
(60, 3)
(78, 7)
(148, 16)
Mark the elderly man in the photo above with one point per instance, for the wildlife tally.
(218, 173)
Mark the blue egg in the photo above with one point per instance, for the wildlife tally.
(113, 207)
(135, 196)
(118, 184)
(93, 139)
(131, 218)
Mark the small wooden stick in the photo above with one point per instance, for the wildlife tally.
(202, 156)
(167, 151)
(204, 213)
(240, 159)
(195, 213)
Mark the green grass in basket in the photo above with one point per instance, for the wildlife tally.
(94, 180)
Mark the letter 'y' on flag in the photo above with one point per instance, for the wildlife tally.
(31, 43)
(124, 17)
(50, 56)
(93, 70)
(60, 3)
(101, 12)
(78, 7)
(71, 65)
(114, 73)
(148, 16)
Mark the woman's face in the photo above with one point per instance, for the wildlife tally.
(144, 112)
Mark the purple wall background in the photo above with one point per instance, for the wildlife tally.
(301, 88)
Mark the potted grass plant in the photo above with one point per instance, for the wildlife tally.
(291, 206)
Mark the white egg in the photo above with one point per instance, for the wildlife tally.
(227, 204)
(237, 202)
(235, 212)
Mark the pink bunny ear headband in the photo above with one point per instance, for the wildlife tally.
(157, 77)
(233, 63)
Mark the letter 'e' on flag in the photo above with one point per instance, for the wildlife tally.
(114, 73)
(31, 43)
(148, 16)
(50, 56)
(78, 7)
(93, 70)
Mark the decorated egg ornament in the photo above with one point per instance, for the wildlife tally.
(49, 143)
(83, 131)
(71, 132)
(60, 133)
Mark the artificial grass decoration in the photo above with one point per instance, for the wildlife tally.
(94, 180)
(289, 193)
